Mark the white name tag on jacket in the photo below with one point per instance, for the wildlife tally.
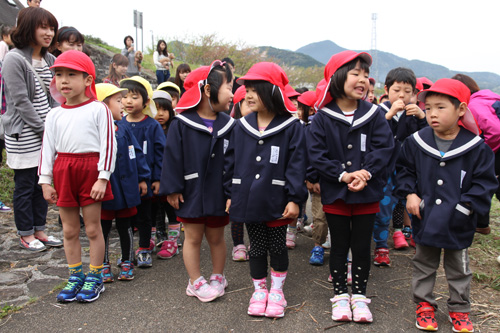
(275, 154)
(131, 152)
(226, 144)
(363, 142)
(145, 147)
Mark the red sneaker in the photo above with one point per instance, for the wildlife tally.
(400, 242)
(461, 322)
(381, 257)
(425, 317)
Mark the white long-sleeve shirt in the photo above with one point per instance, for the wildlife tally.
(83, 128)
(156, 59)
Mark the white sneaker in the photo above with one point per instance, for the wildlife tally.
(219, 283)
(308, 230)
(327, 244)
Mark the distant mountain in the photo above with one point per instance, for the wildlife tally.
(385, 61)
(289, 57)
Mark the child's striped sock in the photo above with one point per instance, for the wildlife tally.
(173, 231)
(96, 271)
(76, 269)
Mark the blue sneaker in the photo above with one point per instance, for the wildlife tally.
(144, 259)
(4, 209)
(317, 255)
(68, 294)
(127, 271)
(91, 289)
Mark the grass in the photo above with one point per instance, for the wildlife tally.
(60, 286)
(6, 182)
(8, 309)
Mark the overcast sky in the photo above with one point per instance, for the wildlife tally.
(460, 35)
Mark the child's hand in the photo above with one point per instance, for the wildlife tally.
(228, 205)
(361, 174)
(155, 187)
(413, 204)
(310, 186)
(356, 185)
(397, 106)
(414, 110)
(98, 189)
(49, 193)
(143, 188)
(291, 211)
(174, 199)
(316, 188)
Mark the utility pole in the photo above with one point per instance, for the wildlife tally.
(373, 48)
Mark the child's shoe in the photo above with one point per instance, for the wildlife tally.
(290, 239)
(349, 273)
(308, 230)
(381, 257)
(168, 250)
(126, 271)
(258, 303)
(461, 322)
(202, 290)
(91, 289)
(341, 309)
(68, 293)
(144, 259)
(161, 236)
(276, 304)
(4, 209)
(107, 275)
(317, 256)
(412, 242)
(327, 244)
(152, 245)
(51, 241)
(219, 283)
(330, 278)
(360, 311)
(240, 253)
(400, 242)
(425, 317)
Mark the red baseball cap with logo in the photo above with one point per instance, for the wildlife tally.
(336, 61)
(193, 83)
(457, 89)
(78, 61)
(272, 73)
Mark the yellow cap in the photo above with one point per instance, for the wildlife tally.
(105, 90)
(150, 110)
(169, 84)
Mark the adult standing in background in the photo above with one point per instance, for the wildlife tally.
(27, 76)
(163, 61)
(129, 52)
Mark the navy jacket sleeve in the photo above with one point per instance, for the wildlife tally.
(229, 166)
(406, 173)
(172, 172)
(318, 151)
(296, 168)
(159, 147)
(143, 171)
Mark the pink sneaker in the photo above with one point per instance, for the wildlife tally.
(258, 303)
(219, 283)
(168, 250)
(341, 309)
(290, 239)
(399, 239)
(276, 304)
(202, 290)
(152, 245)
(240, 253)
(360, 311)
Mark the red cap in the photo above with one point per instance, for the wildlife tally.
(272, 73)
(336, 61)
(290, 92)
(308, 98)
(372, 81)
(78, 61)
(419, 86)
(239, 94)
(193, 83)
(457, 89)
(426, 81)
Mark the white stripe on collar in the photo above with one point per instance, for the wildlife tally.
(225, 128)
(449, 153)
(336, 115)
(254, 131)
(361, 120)
(386, 109)
(192, 123)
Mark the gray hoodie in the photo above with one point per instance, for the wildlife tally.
(19, 83)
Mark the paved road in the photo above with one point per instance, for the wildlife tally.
(156, 302)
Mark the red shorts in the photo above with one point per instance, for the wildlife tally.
(339, 207)
(74, 176)
(208, 221)
(278, 223)
(121, 213)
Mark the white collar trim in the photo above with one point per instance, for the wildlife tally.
(449, 153)
(226, 128)
(254, 131)
(192, 123)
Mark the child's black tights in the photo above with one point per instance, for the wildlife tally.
(123, 225)
(354, 232)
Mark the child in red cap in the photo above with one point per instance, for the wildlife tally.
(265, 181)
(79, 135)
(349, 143)
(192, 172)
(446, 174)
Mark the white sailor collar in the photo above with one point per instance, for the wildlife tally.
(222, 124)
(278, 124)
(463, 143)
(364, 113)
(386, 107)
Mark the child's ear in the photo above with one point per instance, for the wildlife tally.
(88, 80)
(58, 46)
(462, 108)
(147, 102)
(386, 89)
(206, 90)
(114, 66)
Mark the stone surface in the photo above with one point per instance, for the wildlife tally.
(42, 287)
(59, 254)
(12, 278)
(61, 272)
(11, 293)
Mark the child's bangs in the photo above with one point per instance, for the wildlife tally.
(354, 63)
(135, 87)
